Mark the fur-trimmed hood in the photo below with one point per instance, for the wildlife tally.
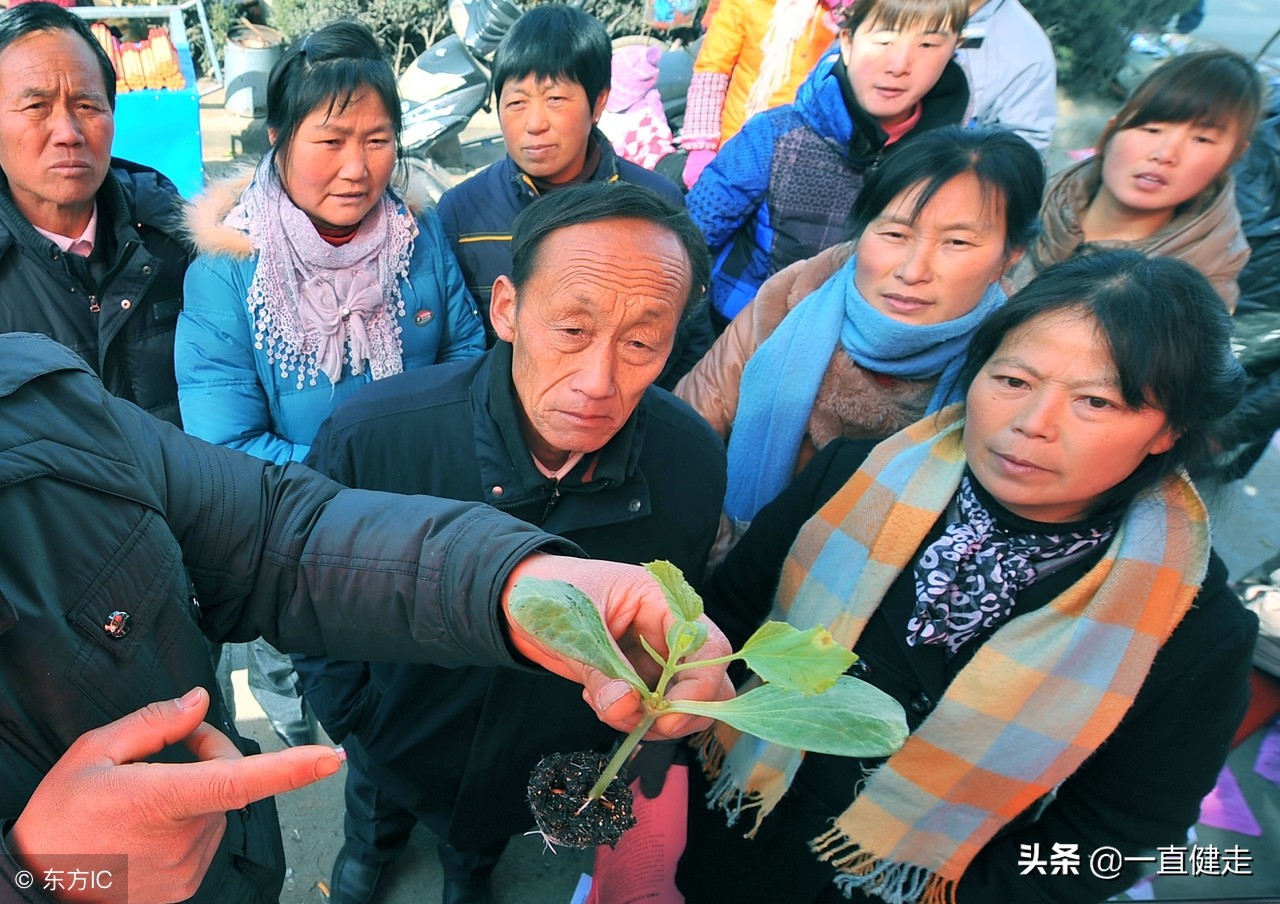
(206, 215)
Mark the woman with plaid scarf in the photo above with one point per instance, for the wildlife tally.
(1029, 573)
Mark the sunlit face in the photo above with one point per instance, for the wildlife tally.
(546, 124)
(1047, 431)
(56, 129)
(1159, 165)
(937, 267)
(591, 330)
(339, 163)
(890, 71)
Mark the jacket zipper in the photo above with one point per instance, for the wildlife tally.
(551, 503)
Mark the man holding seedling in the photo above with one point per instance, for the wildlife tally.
(559, 425)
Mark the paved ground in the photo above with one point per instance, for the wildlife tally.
(311, 819)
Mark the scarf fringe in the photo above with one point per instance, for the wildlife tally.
(726, 794)
(896, 883)
(710, 753)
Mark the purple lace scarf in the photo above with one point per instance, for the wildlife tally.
(968, 579)
(317, 306)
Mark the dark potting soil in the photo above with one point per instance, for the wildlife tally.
(558, 788)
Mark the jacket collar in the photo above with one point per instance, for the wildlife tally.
(826, 103)
(944, 104)
(606, 171)
(114, 216)
(608, 467)
(1201, 230)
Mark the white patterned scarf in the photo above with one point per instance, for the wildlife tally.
(790, 21)
(316, 306)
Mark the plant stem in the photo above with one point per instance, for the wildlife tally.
(699, 663)
(620, 757)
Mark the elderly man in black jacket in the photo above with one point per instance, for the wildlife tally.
(111, 516)
(559, 425)
(90, 247)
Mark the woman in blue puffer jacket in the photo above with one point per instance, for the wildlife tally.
(315, 276)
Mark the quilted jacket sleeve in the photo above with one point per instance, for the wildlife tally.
(282, 552)
(733, 185)
(220, 391)
(464, 330)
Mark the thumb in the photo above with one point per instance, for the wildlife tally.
(147, 731)
(616, 702)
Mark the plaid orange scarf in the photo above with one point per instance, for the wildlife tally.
(1035, 701)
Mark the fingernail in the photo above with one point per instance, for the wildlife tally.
(189, 699)
(612, 693)
(328, 766)
(341, 752)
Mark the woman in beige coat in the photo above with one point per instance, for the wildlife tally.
(1160, 183)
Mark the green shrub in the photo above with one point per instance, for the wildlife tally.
(406, 27)
(1090, 37)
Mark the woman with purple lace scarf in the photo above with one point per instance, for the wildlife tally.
(315, 277)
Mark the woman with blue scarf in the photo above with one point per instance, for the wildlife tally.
(863, 339)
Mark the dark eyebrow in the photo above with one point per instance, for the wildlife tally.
(1011, 361)
(967, 225)
(36, 93)
(939, 32)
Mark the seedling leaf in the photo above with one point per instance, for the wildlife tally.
(851, 719)
(682, 598)
(807, 661)
(562, 617)
(684, 638)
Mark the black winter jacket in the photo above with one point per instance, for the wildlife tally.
(1256, 324)
(459, 744)
(477, 215)
(1140, 789)
(122, 323)
(107, 509)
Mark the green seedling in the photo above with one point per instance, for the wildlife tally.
(806, 701)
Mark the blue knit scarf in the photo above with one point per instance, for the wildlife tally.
(780, 382)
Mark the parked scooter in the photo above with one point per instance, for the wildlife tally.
(449, 82)
(445, 86)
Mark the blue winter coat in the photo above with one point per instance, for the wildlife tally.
(230, 394)
(781, 190)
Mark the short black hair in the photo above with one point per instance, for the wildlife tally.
(558, 43)
(1005, 165)
(328, 68)
(1170, 340)
(27, 18)
(592, 202)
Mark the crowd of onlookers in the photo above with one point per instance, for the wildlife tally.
(840, 349)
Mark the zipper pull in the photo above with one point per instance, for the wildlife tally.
(551, 502)
(94, 307)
